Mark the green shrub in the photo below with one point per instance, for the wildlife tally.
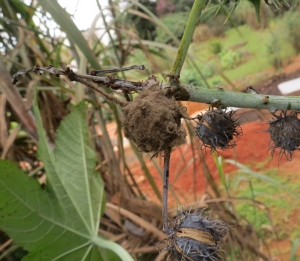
(190, 76)
(229, 59)
(293, 25)
(273, 52)
(175, 23)
(215, 47)
(207, 70)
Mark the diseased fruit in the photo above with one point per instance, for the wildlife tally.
(196, 237)
(153, 121)
(284, 134)
(216, 129)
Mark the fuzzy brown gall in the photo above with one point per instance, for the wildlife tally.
(284, 134)
(196, 237)
(153, 121)
(216, 129)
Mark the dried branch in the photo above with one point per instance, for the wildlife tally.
(140, 67)
(167, 157)
(15, 100)
(108, 81)
(91, 80)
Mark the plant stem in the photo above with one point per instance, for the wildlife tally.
(187, 36)
(241, 99)
(167, 157)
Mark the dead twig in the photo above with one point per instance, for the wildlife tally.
(167, 157)
(92, 80)
(16, 102)
(137, 220)
(108, 81)
(6, 244)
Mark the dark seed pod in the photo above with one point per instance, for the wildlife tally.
(153, 121)
(217, 128)
(284, 134)
(196, 237)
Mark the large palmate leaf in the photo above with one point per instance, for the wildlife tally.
(61, 221)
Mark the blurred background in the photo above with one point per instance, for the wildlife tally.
(256, 194)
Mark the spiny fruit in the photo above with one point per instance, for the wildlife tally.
(196, 237)
(284, 134)
(216, 129)
(153, 121)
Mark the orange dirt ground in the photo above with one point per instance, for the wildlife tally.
(251, 150)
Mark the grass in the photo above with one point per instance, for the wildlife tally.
(281, 204)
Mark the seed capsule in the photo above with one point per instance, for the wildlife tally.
(284, 134)
(217, 128)
(195, 237)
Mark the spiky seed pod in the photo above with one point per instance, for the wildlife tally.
(196, 237)
(217, 128)
(153, 121)
(284, 134)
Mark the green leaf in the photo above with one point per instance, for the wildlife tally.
(83, 187)
(256, 4)
(61, 221)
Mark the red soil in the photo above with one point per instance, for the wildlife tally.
(251, 150)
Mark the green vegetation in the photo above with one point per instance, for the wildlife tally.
(254, 50)
(176, 24)
(245, 52)
(274, 204)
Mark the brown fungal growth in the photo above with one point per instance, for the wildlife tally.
(284, 134)
(153, 121)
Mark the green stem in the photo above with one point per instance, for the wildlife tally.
(239, 99)
(187, 36)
